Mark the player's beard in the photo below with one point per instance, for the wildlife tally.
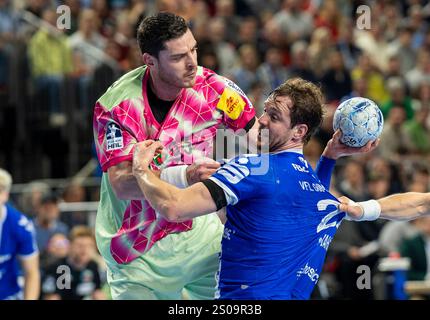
(178, 82)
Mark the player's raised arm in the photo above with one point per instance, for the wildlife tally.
(171, 202)
(402, 206)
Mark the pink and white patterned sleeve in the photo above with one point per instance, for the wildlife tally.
(116, 131)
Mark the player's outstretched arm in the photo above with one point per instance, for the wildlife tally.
(171, 202)
(402, 206)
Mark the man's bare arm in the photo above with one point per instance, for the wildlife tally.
(125, 185)
(173, 203)
(402, 206)
(30, 266)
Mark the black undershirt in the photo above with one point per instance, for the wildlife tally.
(160, 108)
(217, 193)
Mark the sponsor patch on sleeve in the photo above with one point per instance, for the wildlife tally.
(114, 138)
(231, 103)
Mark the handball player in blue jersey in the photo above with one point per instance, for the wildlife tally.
(279, 222)
(17, 249)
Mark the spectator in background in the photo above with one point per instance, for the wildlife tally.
(17, 243)
(84, 271)
(31, 197)
(271, 72)
(345, 44)
(300, 62)
(248, 32)
(394, 139)
(421, 71)
(329, 17)
(336, 81)
(374, 79)
(398, 96)
(294, 23)
(51, 61)
(225, 10)
(402, 48)
(417, 249)
(359, 89)
(88, 47)
(245, 74)
(418, 131)
(226, 55)
(353, 181)
(58, 248)
(418, 25)
(319, 51)
(47, 221)
(394, 68)
(373, 43)
(394, 233)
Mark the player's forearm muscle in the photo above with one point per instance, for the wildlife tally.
(175, 204)
(124, 183)
(405, 206)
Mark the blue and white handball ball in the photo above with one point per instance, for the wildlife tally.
(360, 121)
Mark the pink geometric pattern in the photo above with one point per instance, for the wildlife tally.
(187, 134)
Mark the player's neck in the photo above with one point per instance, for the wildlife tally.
(289, 146)
(163, 90)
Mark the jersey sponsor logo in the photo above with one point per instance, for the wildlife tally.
(114, 138)
(231, 103)
(227, 233)
(325, 241)
(310, 272)
(299, 168)
(314, 187)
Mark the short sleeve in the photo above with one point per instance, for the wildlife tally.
(237, 109)
(115, 134)
(26, 238)
(240, 179)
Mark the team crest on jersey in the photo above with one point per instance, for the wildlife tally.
(114, 138)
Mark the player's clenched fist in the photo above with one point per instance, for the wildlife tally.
(201, 170)
(144, 153)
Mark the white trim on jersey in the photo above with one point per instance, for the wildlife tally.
(229, 195)
(3, 214)
(27, 256)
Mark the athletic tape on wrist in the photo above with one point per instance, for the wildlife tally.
(176, 175)
(371, 210)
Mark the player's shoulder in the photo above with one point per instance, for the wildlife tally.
(251, 164)
(209, 78)
(127, 87)
(16, 218)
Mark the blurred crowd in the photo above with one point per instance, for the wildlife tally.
(50, 79)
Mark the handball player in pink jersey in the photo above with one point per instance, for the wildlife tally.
(173, 100)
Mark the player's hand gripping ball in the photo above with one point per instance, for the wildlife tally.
(360, 121)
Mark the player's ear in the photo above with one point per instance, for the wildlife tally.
(300, 131)
(148, 59)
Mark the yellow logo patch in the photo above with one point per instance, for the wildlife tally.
(231, 103)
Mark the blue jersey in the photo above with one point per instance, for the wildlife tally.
(279, 226)
(16, 240)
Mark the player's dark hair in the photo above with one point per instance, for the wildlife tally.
(307, 101)
(155, 30)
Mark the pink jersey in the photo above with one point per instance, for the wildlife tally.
(122, 117)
